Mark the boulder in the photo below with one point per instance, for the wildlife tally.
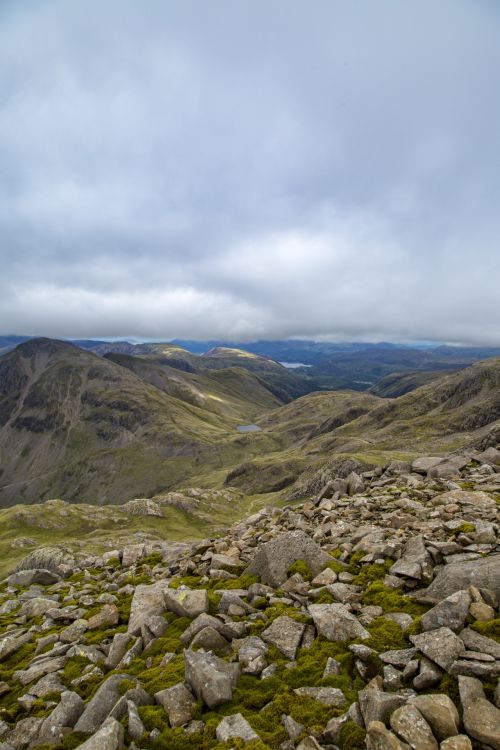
(440, 713)
(380, 738)
(484, 573)
(328, 696)
(285, 634)
(66, 714)
(441, 646)
(186, 602)
(40, 576)
(211, 679)
(451, 612)
(98, 708)
(481, 718)
(274, 558)
(410, 725)
(335, 623)
(178, 703)
(108, 737)
(235, 727)
(147, 601)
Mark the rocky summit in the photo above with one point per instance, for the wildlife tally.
(364, 617)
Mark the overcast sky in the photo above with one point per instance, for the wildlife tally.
(250, 169)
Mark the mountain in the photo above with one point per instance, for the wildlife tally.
(79, 426)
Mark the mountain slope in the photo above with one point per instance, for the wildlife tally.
(82, 427)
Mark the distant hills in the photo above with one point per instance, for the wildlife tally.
(126, 421)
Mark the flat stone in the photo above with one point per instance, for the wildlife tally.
(335, 623)
(484, 573)
(441, 646)
(459, 742)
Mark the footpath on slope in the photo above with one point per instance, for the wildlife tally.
(367, 617)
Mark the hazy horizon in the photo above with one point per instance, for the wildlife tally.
(244, 171)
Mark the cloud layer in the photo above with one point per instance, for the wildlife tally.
(250, 169)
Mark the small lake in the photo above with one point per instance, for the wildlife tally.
(249, 428)
(293, 365)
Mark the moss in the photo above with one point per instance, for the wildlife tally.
(242, 582)
(192, 582)
(385, 635)
(155, 558)
(73, 669)
(153, 717)
(391, 600)
(490, 629)
(464, 528)
(352, 737)
(286, 609)
(325, 597)
(126, 685)
(370, 573)
(302, 568)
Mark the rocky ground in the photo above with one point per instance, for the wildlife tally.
(367, 617)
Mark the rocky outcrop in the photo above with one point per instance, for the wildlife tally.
(358, 620)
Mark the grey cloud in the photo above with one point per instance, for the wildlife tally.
(250, 169)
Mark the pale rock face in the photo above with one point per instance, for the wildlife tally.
(178, 703)
(274, 558)
(441, 646)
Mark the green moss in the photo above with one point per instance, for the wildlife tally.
(302, 568)
(490, 629)
(385, 635)
(242, 582)
(370, 573)
(352, 737)
(391, 600)
(155, 558)
(464, 528)
(192, 582)
(286, 609)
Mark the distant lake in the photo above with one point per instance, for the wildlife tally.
(293, 365)
(248, 428)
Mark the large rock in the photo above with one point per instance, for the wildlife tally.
(441, 646)
(451, 612)
(235, 727)
(440, 713)
(285, 634)
(410, 725)
(380, 738)
(274, 558)
(54, 559)
(335, 623)
(178, 703)
(100, 705)
(108, 737)
(147, 602)
(328, 696)
(186, 602)
(41, 576)
(481, 718)
(211, 679)
(65, 715)
(483, 573)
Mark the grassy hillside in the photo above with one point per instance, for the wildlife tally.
(78, 426)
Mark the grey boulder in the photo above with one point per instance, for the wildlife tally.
(274, 558)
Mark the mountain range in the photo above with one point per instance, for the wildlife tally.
(125, 421)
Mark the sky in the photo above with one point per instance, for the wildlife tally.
(250, 169)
